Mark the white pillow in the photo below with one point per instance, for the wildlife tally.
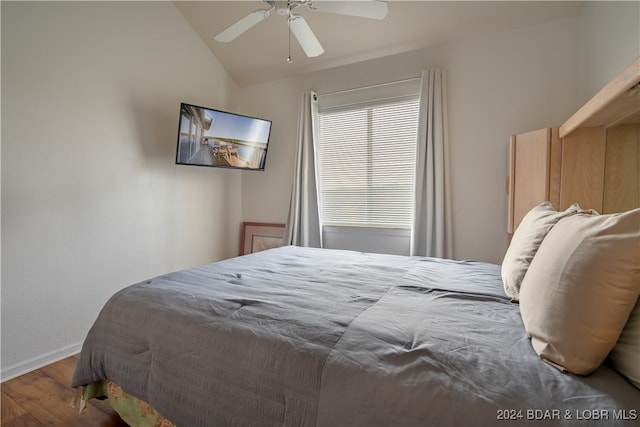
(581, 287)
(525, 242)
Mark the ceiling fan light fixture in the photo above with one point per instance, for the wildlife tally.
(373, 9)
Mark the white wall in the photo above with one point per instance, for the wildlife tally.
(91, 198)
(610, 40)
(498, 85)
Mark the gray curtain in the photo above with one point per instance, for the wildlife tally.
(431, 232)
(303, 225)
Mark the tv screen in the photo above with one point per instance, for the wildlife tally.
(208, 137)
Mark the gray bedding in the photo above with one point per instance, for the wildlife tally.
(302, 337)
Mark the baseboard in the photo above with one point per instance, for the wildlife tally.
(39, 361)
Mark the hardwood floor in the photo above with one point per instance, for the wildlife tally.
(42, 398)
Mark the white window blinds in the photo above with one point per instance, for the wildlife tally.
(366, 162)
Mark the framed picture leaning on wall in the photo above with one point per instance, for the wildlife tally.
(258, 236)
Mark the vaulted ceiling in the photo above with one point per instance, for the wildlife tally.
(260, 54)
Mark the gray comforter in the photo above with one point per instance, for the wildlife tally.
(301, 337)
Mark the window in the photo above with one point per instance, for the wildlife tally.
(366, 163)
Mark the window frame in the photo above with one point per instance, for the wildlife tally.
(367, 238)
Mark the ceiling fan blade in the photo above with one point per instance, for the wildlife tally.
(372, 9)
(305, 36)
(241, 26)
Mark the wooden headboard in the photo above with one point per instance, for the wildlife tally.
(592, 159)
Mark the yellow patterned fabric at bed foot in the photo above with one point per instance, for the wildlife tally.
(133, 411)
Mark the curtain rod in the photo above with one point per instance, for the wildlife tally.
(370, 86)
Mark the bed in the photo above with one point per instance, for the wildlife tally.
(301, 336)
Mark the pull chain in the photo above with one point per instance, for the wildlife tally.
(289, 60)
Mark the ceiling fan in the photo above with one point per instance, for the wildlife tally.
(373, 9)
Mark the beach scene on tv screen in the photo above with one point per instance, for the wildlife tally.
(215, 138)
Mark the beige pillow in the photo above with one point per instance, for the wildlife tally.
(581, 287)
(525, 242)
(625, 356)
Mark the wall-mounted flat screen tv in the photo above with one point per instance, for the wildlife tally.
(208, 137)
